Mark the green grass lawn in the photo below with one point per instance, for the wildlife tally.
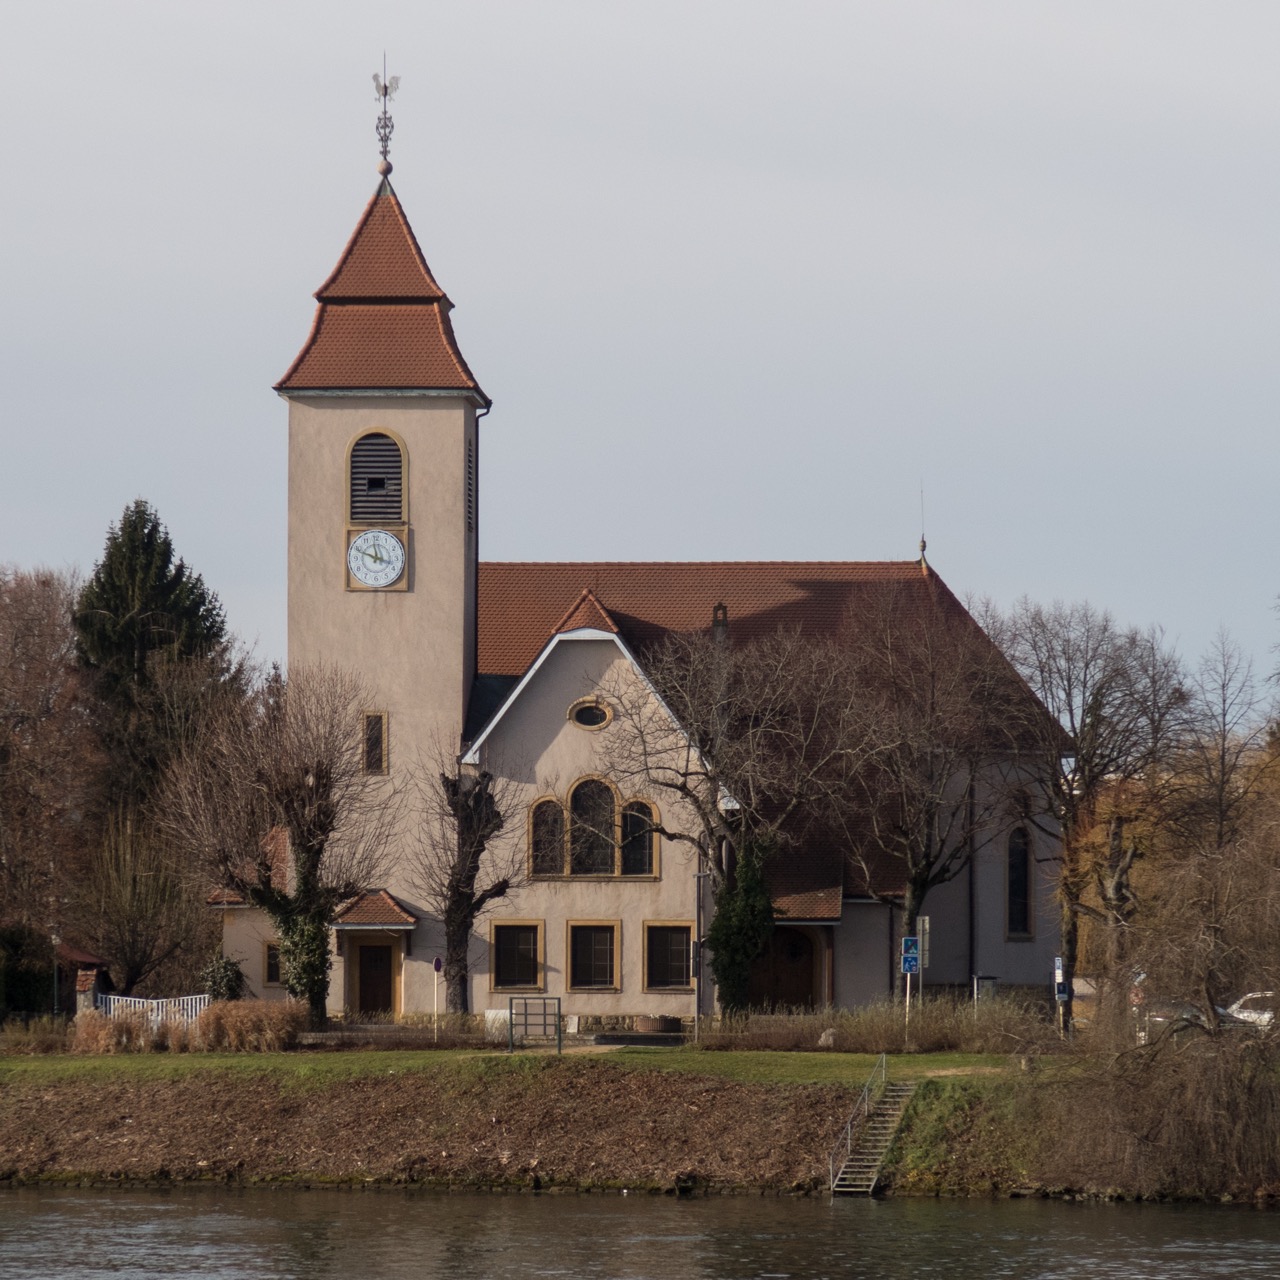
(315, 1070)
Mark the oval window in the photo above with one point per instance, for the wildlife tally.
(589, 714)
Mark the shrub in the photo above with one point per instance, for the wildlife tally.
(250, 1026)
(223, 978)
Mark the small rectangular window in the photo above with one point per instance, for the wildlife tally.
(375, 484)
(375, 742)
(271, 967)
(593, 955)
(514, 955)
(667, 955)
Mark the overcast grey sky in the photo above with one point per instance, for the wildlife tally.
(740, 278)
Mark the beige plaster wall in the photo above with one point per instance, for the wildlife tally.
(545, 753)
(416, 648)
(245, 934)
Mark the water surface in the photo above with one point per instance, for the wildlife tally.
(224, 1234)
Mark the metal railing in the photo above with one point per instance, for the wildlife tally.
(178, 1009)
(871, 1091)
(533, 1017)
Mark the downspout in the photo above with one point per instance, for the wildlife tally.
(475, 586)
(972, 884)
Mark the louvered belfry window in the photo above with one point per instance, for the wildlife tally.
(377, 481)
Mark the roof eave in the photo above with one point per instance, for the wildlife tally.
(472, 394)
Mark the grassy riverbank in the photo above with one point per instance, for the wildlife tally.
(1189, 1121)
(452, 1118)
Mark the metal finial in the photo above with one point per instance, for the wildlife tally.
(385, 88)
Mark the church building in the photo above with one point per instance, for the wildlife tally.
(521, 669)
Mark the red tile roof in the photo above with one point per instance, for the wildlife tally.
(806, 884)
(383, 321)
(586, 612)
(375, 909)
(522, 604)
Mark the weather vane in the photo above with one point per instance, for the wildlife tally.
(385, 87)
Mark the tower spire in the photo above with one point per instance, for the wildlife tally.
(385, 88)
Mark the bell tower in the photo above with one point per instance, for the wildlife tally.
(383, 504)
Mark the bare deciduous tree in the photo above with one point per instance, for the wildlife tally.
(465, 857)
(273, 803)
(1119, 695)
(948, 720)
(754, 746)
(138, 907)
(48, 756)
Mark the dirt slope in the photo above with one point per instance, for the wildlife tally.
(552, 1123)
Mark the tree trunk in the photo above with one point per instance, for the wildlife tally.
(457, 970)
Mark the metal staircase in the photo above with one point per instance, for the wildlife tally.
(880, 1108)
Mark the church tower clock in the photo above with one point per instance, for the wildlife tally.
(383, 510)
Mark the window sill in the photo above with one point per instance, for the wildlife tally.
(603, 877)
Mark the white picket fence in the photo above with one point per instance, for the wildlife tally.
(179, 1009)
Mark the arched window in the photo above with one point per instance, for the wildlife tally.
(546, 838)
(592, 829)
(377, 480)
(637, 839)
(1018, 882)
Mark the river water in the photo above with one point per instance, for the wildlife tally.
(218, 1234)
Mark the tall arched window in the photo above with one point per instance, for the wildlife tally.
(546, 838)
(377, 480)
(637, 839)
(1018, 882)
(592, 829)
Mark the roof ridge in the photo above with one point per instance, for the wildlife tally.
(667, 564)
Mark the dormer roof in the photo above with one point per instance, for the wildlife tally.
(382, 323)
(586, 611)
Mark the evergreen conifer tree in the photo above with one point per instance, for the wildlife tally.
(140, 621)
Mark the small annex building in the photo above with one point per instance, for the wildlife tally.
(513, 666)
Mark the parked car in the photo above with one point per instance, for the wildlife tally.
(1258, 1009)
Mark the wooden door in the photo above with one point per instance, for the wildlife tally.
(375, 979)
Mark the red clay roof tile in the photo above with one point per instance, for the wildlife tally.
(382, 259)
(383, 321)
(521, 604)
(373, 909)
(586, 612)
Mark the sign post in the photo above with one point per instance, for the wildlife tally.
(910, 965)
(435, 1012)
(1060, 993)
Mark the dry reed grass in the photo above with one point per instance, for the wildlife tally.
(250, 1026)
(35, 1035)
(941, 1025)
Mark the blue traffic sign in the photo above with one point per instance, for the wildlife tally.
(910, 946)
(910, 964)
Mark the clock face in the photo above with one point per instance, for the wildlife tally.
(375, 558)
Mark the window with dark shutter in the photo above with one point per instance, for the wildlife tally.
(546, 837)
(667, 952)
(515, 955)
(637, 839)
(1018, 884)
(592, 950)
(375, 742)
(592, 838)
(377, 480)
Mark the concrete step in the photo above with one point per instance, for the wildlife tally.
(861, 1170)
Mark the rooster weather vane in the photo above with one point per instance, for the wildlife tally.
(385, 88)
